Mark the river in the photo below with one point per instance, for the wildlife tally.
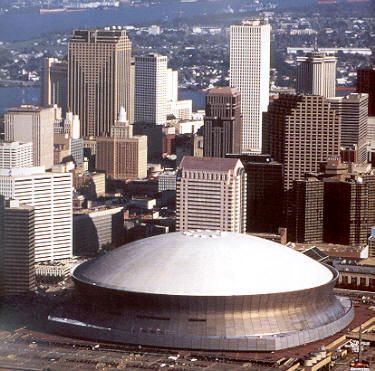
(24, 26)
(15, 96)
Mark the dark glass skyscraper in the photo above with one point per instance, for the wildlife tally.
(223, 122)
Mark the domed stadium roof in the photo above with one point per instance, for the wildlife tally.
(204, 263)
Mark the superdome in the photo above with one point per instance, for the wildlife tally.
(205, 290)
(204, 263)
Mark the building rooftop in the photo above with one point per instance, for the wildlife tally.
(223, 90)
(209, 163)
(204, 263)
(25, 108)
(14, 144)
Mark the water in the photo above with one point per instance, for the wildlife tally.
(197, 96)
(30, 25)
(14, 96)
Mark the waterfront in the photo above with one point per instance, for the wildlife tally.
(32, 24)
(14, 96)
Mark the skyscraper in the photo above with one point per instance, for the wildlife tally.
(249, 73)
(122, 156)
(51, 196)
(211, 194)
(300, 132)
(222, 123)
(366, 84)
(264, 192)
(17, 250)
(36, 125)
(54, 83)
(151, 89)
(352, 110)
(305, 222)
(172, 85)
(316, 74)
(346, 211)
(99, 78)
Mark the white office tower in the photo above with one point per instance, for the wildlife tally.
(15, 154)
(211, 194)
(72, 125)
(250, 74)
(151, 89)
(33, 124)
(180, 109)
(172, 85)
(316, 74)
(51, 196)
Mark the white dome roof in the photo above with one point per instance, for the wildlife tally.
(203, 263)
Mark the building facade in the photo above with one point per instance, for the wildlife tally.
(352, 110)
(99, 78)
(204, 290)
(122, 156)
(305, 222)
(54, 83)
(36, 125)
(346, 212)
(316, 74)
(249, 73)
(151, 89)
(264, 192)
(50, 194)
(211, 194)
(301, 132)
(17, 251)
(95, 229)
(15, 154)
(366, 84)
(167, 181)
(222, 123)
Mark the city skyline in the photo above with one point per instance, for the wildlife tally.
(134, 223)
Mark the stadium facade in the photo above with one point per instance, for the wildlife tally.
(204, 290)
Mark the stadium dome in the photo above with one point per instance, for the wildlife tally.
(204, 263)
(205, 290)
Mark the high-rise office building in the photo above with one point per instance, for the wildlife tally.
(123, 155)
(15, 154)
(366, 84)
(211, 194)
(264, 192)
(51, 196)
(99, 78)
(249, 73)
(334, 206)
(17, 260)
(223, 122)
(352, 110)
(346, 211)
(316, 74)
(36, 125)
(151, 76)
(54, 83)
(300, 132)
(305, 221)
(172, 85)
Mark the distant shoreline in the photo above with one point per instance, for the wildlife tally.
(18, 83)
